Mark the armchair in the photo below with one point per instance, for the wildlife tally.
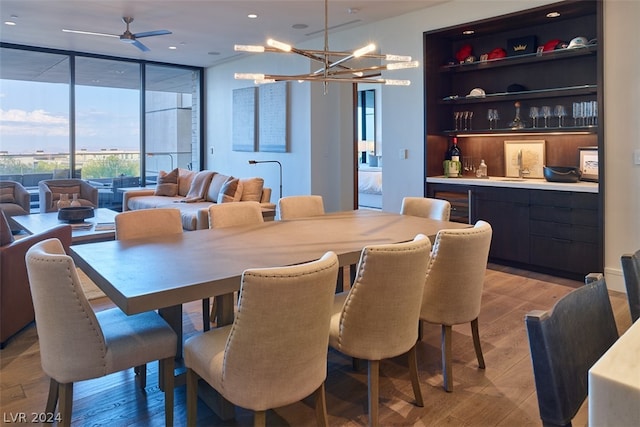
(51, 189)
(14, 200)
(16, 306)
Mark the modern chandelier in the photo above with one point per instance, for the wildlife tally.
(334, 64)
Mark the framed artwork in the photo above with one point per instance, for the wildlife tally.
(272, 117)
(588, 163)
(528, 155)
(244, 119)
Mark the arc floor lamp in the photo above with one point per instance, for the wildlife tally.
(253, 162)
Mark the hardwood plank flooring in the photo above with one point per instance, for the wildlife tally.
(501, 395)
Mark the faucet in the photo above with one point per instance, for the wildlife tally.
(522, 171)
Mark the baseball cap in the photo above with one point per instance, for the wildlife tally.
(463, 52)
(550, 45)
(477, 93)
(578, 42)
(497, 53)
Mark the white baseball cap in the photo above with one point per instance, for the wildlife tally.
(578, 42)
(477, 93)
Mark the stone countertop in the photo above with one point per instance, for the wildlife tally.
(527, 184)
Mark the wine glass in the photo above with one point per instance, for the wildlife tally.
(496, 117)
(577, 113)
(546, 113)
(470, 120)
(559, 111)
(456, 116)
(534, 113)
(490, 117)
(466, 117)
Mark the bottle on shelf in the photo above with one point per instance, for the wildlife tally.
(482, 170)
(452, 165)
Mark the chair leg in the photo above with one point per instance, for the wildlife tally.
(413, 373)
(166, 367)
(374, 386)
(259, 418)
(476, 342)
(321, 406)
(141, 375)
(52, 400)
(192, 397)
(206, 319)
(65, 403)
(447, 371)
(420, 330)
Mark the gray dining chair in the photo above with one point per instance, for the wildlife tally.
(77, 344)
(275, 352)
(631, 272)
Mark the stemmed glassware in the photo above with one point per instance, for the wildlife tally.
(456, 116)
(493, 116)
(534, 113)
(559, 111)
(545, 110)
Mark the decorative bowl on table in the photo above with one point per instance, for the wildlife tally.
(75, 214)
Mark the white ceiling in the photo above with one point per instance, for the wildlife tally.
(199, 28)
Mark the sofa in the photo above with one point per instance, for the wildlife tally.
(193, 192)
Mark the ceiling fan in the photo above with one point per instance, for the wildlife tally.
(127, 36)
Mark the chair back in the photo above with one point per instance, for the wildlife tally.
(276, 352)
(238, 213)
(379, 318)
(426, 208)
(564, 343)
(292, 207)
(72, 345)
(50, 190)
(148, 223)
(631, 273)
(453, 289)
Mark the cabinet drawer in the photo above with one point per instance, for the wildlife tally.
(565, 199)
(564, 215)
(566, 255)
(561, 231)
(501, 195)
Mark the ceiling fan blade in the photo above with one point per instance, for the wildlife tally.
(90, 33)
(140, 46)
(152, 33)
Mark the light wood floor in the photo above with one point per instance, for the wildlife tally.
(501, 395)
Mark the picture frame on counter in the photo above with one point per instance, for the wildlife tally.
(588, 161)
(532, 153)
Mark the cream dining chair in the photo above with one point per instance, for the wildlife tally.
(77, 344)
(293, 207)
(147, 223)
(275, 352)
(228, 215)
(426, 207)
(453, 289)
(378, 318)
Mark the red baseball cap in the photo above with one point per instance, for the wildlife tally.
(464, 52)
(550, 45)
(497, 53)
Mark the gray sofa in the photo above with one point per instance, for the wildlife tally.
(196, 191)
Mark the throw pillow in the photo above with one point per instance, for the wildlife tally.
(252, 189)
(200, 185)
(217, 182)
(231, 191)
(167, 183)
(70, 189)
(6, 236)
(6, 195)
(185, 177)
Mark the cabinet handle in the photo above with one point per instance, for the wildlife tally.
(555, 239)
(469, 205)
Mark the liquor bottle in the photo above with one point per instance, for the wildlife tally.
(452, 165)
(454, 153)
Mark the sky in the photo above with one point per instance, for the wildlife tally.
(35, 116)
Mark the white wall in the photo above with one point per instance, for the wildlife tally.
(320, 159)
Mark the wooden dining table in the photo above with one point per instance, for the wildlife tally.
(163, 273)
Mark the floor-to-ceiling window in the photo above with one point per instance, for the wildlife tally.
(65, 114)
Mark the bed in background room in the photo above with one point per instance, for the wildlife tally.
(370, 187)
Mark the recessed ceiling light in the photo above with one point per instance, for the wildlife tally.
(299, 26)
(553, 14)
(353, 10)
(468, 32)
(10, 23)
(252, 16)
(172, 48)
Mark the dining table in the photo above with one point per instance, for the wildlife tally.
(164, 272)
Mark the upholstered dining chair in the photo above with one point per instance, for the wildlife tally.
(275, 352)
(453, 289)
(50, 190)
(426, 207)
(230, 214)
(292, 207)
(77, 344)
(14, 200)
(16, 306)
(147, 223)
(564, 343)
(631, 272)
(378, 317)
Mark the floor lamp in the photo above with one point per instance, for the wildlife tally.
(253, 162)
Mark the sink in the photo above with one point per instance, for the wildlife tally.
(512, 179)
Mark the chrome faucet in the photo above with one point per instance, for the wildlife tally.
(522, 171)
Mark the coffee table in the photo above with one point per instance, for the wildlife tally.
(39, 222)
